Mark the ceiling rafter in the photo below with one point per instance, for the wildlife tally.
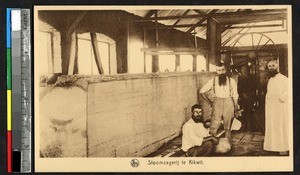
(176, 22)
(200, 12)
(224, 28)
(150, 13)
(201, 21)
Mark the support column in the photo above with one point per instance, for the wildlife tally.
(65, 50)
(72, 54)
(213, 38)
(96, 53)
(177, 63)
(68, 44)
(155, 65)
(207, 62)
(194, 63)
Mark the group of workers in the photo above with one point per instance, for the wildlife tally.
(200, 137)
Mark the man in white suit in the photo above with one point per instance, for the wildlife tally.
(276, 135)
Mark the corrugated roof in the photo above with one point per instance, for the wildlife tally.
(232, 32)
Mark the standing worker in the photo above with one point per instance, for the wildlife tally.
(224, 105)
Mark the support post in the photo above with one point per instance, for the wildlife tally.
(72, 54)
(213, 38)
(194, 63)
(144, 45)
(177, 63)
(155, 64)
(96, 53)
(207, 62)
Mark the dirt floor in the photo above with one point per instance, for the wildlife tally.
(244, 144)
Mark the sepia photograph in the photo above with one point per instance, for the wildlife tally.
(163, 88)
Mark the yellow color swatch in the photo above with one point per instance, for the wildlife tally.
(8, 110)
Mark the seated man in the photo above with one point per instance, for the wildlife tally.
(196, 140)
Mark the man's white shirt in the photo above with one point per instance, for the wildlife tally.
(193, 134)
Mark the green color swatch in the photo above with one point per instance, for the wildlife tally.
(8, 67)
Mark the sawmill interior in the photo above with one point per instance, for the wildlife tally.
(121, 83)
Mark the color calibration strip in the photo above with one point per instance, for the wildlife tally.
(9, 90)
(18, 90)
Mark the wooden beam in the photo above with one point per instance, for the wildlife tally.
(171, 18)
(177, 62)
(155, 64)
(72, 54)
(232, 36)
(176, 22)
(75, 71)
(255, 26)
(174, 53)
(200, 12)
(96, 53)
(150, 13)
(174, 49)
(269, 31)
(50, 54)
(144, 45)
(250, 48)
(202, 20)
(65, 52)
(251, 18)
(207, 62)
(74, 24)
(224, 28)
(213, 39)
(67, 44)
(248, 12)
(156, 30)
(178, 26)
(194, 63)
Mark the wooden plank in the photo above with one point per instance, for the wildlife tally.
(96, 53)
